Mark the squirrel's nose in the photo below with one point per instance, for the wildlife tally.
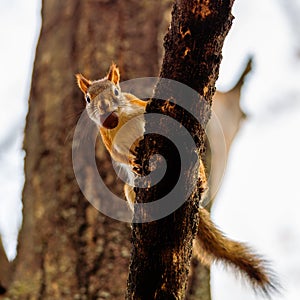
(103, 105)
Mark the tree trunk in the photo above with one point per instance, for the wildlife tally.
(162, 248)
(67, 249)
(5, 271)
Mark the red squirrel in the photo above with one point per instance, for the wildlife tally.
(110, 109)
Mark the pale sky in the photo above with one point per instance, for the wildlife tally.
(19, 27)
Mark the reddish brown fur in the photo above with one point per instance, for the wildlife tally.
(212, 245)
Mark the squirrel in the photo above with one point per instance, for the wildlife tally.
(110, 109)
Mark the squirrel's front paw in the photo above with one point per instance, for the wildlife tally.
(153, 164)
(135, 166)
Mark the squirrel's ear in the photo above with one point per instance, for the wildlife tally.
(114, 74)
(83, 83)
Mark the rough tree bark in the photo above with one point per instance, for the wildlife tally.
(162, 249)
(67, 249)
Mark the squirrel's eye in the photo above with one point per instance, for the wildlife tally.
(87, 99)
(116, 92)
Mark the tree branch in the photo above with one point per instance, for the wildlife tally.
(162, 249)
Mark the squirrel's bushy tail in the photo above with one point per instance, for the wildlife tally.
(212, 245)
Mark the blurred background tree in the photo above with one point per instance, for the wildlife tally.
(5, 271)
(67, 249)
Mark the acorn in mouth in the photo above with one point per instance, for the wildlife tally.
(109, 120)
